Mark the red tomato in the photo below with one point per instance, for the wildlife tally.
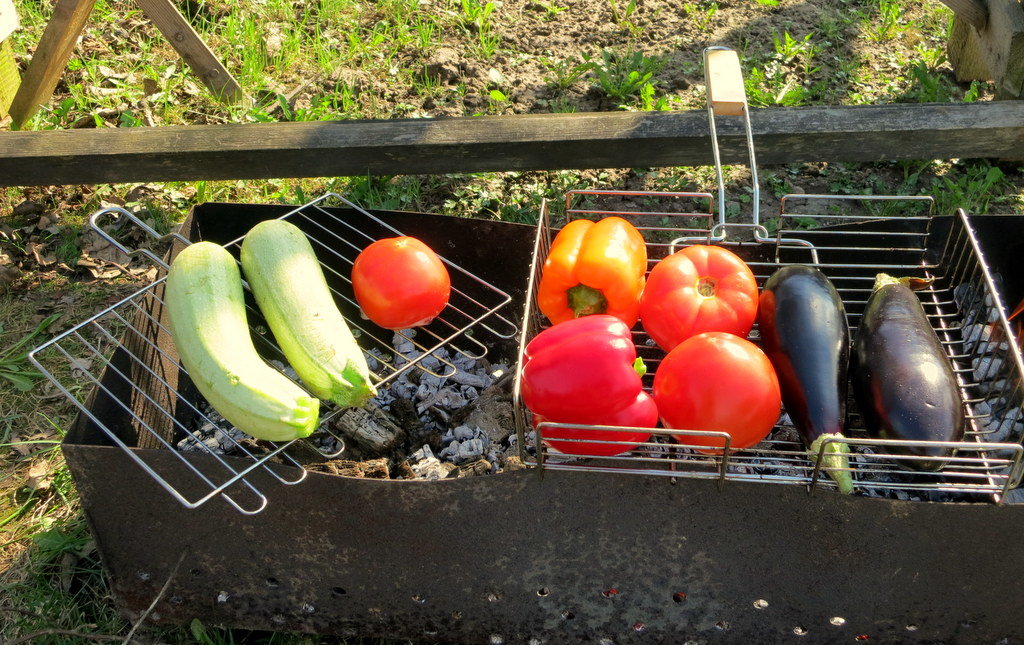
(696, 289)
(400, 282)
(718, 381)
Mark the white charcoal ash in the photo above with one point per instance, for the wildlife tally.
(464, 444)
(979, 339)
(214, 434)
(426, 466)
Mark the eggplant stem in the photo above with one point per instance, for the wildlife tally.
(912, 283)
(834, 459)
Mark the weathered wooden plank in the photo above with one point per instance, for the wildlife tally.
(505, 143)
(994, 51)
(190, 46)
(51, 56)
(975, 12)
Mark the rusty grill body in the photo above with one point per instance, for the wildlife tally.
(545, 555)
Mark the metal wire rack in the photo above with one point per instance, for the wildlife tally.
(962, 303)
(850, 239)
(121, 370)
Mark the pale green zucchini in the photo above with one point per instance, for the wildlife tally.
(285, 277)
(206, 313)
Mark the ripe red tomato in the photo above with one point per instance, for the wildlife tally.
(696, 289)
(400, 282)
(718, 381)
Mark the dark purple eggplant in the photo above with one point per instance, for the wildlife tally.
(902, 378)
(805, 334)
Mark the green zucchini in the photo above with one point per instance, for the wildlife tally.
(206, 315)
(291, 291)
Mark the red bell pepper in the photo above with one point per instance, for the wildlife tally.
(586, 371)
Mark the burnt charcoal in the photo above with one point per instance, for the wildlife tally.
(492, 412)
(478, 467)
(368, 469)
(372, 429)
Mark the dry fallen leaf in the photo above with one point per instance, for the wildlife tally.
(39, 477)
(44, 256)
(80, 366)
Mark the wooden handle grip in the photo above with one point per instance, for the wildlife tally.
(725, 82)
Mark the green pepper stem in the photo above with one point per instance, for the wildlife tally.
(584, 300)
(834, 460)
(639, 366)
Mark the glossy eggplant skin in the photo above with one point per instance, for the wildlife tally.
(806, 336)
(902, 377)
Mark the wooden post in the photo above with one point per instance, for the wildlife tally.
(192, 49)
(10, 79)
(994, 51)
(50, 58)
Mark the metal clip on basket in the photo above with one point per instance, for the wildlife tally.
(138, 376)
(850, 239)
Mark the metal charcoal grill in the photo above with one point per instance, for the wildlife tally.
(851, 239)
(159, 407)
(550, 555)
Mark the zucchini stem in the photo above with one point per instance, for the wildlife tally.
(834, 460)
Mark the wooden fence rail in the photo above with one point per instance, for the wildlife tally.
(508, 143)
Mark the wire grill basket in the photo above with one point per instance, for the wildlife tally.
(123, 360)
(851, 239)
(963, 306)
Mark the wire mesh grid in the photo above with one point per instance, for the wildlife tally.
(121, 370)
(889, 234)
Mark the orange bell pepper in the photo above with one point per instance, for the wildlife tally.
(594, 268)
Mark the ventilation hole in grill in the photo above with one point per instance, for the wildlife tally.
(639, 627)
(722, 625)
(273, 582)
(911, 627)
(419, 598)
(679, 596)
(338, 592)
(800, 630)
(608, 593)
(568, 615)
(760, 603)
(838, 621)
(543, 591)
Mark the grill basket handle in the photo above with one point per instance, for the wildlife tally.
(97, 219)
(728, 97)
